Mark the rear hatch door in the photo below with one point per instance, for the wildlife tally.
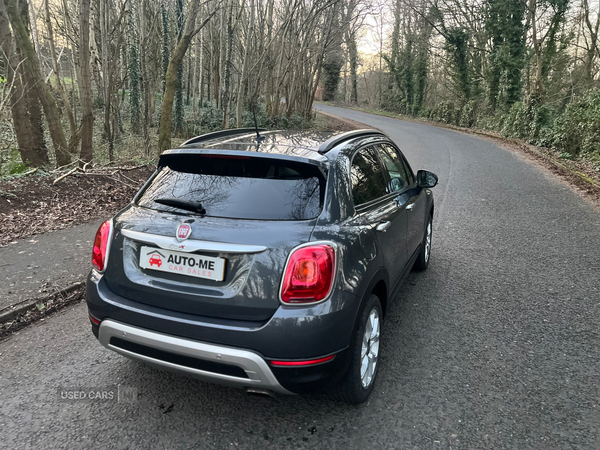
(241, 216)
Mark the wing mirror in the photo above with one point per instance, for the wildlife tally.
(426, 179)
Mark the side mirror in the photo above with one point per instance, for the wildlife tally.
(426, 179)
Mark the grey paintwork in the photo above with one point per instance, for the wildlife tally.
(250, 288)
(244, 309)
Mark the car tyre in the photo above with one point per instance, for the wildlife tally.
(422, 261)
(357, 384)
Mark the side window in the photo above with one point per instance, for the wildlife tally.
(400, 174)
(366, 177)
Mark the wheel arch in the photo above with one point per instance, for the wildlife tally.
(381, 291)
(378, 285)
(431, 208)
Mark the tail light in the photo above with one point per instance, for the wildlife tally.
(309, 274)
(102, 246)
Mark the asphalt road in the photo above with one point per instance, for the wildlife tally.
(495, 346)
(41, 265)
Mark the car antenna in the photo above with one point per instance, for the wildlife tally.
(259, 138)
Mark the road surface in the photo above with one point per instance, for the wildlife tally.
(495, 346)
(38, 266)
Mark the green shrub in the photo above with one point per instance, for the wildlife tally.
(574, 132)
(542, 126)
(13, 164)
(577, 130)
(516, 122)
(530, 121)
(446, 112)
(467, 114)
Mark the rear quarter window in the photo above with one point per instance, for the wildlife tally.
(238, 187)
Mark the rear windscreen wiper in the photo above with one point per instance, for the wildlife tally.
(188, 205)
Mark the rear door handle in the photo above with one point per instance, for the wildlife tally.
(410, 206)
(383, 226)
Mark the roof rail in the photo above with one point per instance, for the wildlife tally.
(339, 138)
(221, 134)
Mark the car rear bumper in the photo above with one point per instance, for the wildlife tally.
(229, 352)
(187, 357)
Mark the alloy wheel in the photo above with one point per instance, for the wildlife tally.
(428, 242)
(370, 349)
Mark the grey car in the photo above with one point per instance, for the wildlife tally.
(264, 260)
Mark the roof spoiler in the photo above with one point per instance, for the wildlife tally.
(221, 134)
(339, 138)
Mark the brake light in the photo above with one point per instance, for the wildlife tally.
(309, 274)
(101, 246)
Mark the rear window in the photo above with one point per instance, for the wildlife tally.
(238, 187)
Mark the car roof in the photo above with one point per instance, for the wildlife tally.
(301, 144)
(304, 144)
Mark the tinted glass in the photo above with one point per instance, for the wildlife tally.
(366, 177)
(238, 188)
(399, 174)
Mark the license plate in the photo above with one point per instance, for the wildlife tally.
(189, 264)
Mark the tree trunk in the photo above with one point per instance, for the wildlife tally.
(241, 97)
(201, 72)
(333, 60)
(85, 83)
(166, 116)
(190, 74)
(17, 101)
(222, 50)
(195, 82)
(134, 71)
(32, 65)
(591, 42)
(353, 60)
(74, 69)
(145, 77)
(74, 139)
(34, 30)
(179, 111)
(166, 49)
(269, 60)
(226, 102)
(540, 91)
(31, 97)
(106, 72)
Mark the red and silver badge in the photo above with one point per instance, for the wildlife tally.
(184, 230)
